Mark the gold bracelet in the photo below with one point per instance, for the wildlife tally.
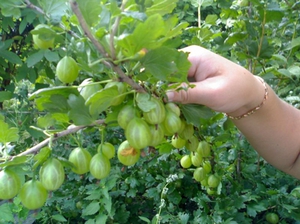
(252, 111)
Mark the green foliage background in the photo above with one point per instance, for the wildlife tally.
(262, 36)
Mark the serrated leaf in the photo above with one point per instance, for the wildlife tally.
(59, 218)
(193, 113)
(254, 208)
(15, 161)
(184, 218)
(45, 121)
(8, 134)
(6, 213)
(79, 112)
(53, 104)
(167, 64)
(55, 9)
(144, 36)
(161, 7)
(165, 148)
(91, 209)
(144, 102)
(90, 10)
(107, 204)
(102, 99)
(61, 117)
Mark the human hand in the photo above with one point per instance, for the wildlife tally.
(219, 83)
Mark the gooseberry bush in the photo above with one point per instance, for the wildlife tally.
(87, 134)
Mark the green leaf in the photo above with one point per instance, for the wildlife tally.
(90, 10)
(11, 57)
(145, 35)
(161, 7)
(35, 58)
(254, 208)
(193, 113)
(5, 95)
(41, 157)
(10, 8)
(55, 9)
(107, 204)
(59, 90)
(201, 3)
(51, 56)
(294, 70)
(15, 161)
(91, 209)
(45, 121)
(144, 102)
(285, 72)
(79, 112)
(144, 219)
(6, 213)
(59, 218)
(8, 134)
(102, 99)
(101, 218)
(53, 104)
(184, 217)
(167, 64)
(165, 148)
(294, 43)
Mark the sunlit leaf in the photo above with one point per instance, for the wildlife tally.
(101, 100)
(90, 10)
(144, 36)
(15, 161)
(41, 157)
(8, 134)
(167, 64)
(161, 7)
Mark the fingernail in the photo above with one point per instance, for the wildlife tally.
(170, 96)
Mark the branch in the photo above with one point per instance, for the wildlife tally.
(34, 7)
(123, 77)
(71, 129)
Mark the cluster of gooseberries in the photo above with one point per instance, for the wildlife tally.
(34, 193)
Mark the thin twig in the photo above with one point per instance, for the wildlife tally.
(122, 76)
(34, 7)
(114, 31)
(71, 129)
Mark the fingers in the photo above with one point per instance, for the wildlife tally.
(196, 95)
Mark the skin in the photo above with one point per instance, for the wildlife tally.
(226, 87)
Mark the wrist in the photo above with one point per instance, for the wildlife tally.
(253, 105)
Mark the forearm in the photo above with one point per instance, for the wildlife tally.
(274, 132)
